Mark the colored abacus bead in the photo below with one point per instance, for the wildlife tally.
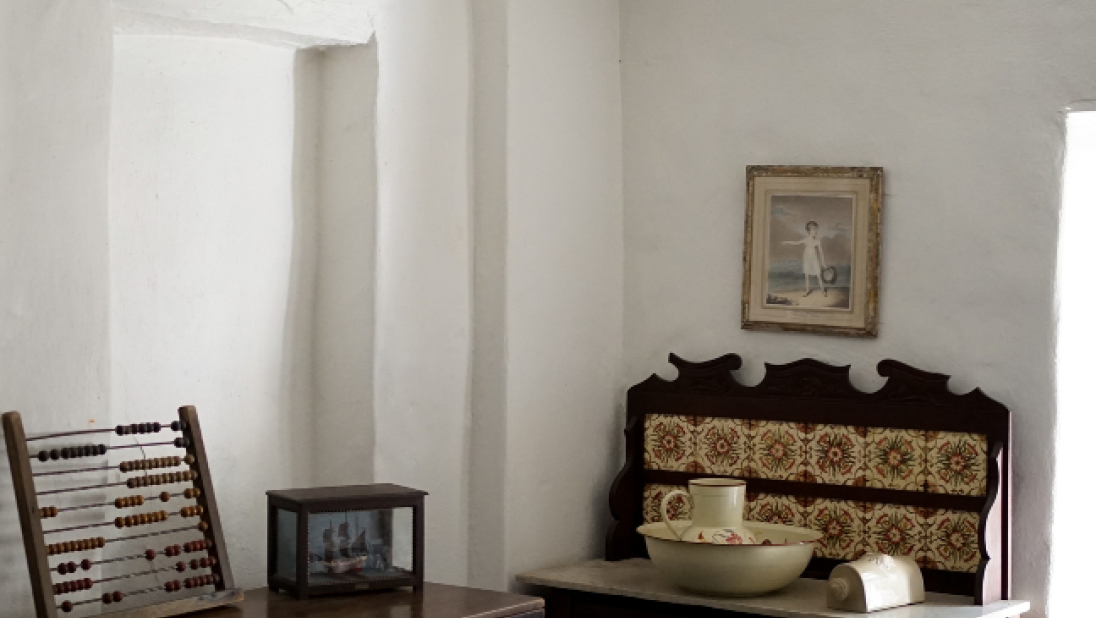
(150, 554)
(66, 606)
(180, 566)
(117, 596)
(165, 496)
(85, 564)
(107, 598)
(203, 526)
(43, 455)
(55, 454)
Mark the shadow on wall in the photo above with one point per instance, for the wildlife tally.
(342, 359)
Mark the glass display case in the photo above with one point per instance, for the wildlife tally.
(341, 539)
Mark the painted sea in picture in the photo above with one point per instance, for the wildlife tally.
(809, 252)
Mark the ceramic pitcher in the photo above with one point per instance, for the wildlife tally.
(717, 512)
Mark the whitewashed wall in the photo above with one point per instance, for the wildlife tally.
(212, 203)
(960, 102)
(423, 278)
(564, 278)
(54, 348)
(342, 355)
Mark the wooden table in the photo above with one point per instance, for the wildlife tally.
(433, 601)
(634, 589)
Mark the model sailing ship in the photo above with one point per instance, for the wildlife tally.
(341, 555)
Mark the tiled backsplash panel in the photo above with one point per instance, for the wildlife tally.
(678, 508)
(911, 460)
(669, 442)
(937, 538)
(956, 463)
(721, 446)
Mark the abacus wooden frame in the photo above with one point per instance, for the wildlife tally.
(34, 541)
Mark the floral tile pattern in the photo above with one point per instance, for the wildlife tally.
(895, 459)
(836, 454)
(937, 538)
(895, 530)
(910, 460)
(842, 528)
(669, 442)
(951, 540)
(956, 463)
(678, 508)
(721, 445)
(774, 509)
(776, 451)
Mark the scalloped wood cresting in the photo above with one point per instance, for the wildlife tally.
(912, 469)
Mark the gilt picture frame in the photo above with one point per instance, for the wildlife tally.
(811, 249)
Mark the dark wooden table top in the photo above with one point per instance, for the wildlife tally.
(433, 601)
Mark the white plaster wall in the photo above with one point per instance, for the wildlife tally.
(342, 440)
(54, 347)
(212, 255)
(487, 563)
(291, 23)
(423, 285)
(960, 102)
(564, 278)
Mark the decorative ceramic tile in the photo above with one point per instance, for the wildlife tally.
(895, 459)
(652, 499)
(895, 530)
(668, 442)
(950, 540)
(836, 454)
(956, 463)
(774, 509)
(721, 446)
(842, 529)
(776, 451)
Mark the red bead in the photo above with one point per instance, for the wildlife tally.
(212, 560)
(66, 606)
(117, 596)
(107, 599)
(150, 554)
(194, 564)
(61, 569)
(180, 566)
(85, 564)
(71, 567)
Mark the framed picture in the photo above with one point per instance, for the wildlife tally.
(811, 258)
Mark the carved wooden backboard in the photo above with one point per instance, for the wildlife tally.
(912, 469)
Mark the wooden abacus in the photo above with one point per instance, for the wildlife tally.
(200, 518)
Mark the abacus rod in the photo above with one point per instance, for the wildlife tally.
(97, 504)
(142, 536)
(81, 432)
(65, 491)
(101, 524)
(35, 456)
(137, 574)
(76, 470)
(133, 557)
(128, 594)
(73, 471)
(98, 525)
(62, 434)
(169, 443)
